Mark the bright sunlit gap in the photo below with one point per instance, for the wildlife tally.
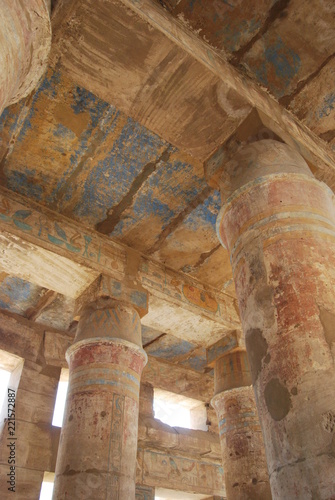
(4, 379)
(179, 411)
(165, 494)
(58, 415)
(47, 486)
(10, 372)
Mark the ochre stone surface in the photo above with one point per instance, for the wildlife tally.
(244, 464)
(25, 40)
(280, 231)
(97, 451)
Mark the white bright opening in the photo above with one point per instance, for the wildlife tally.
(58, 415)
(47, 486)
(10, 373)
(165, 494)
(176, 410)
(4, 379)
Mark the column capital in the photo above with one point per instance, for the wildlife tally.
(106, 319)
(232, 371)
(116, 343)
(127, 292)
(256, 160)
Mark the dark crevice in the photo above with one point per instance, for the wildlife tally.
(204, 256)
(277, 10)
(286, 99)
(177, 221)
(292, 464)
(33, 313)
(114, 215)
(328, 136)
(154, 340)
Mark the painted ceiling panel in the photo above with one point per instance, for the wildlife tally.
(108, 176)
(295, 46)
(316, 109)
(185, 247)
(216, 271)
(170, 348)
(227, 25)
(106, 170)
(197, 361)
(149, 334)
(167, 192)
(59, 314)
(67, 120)
(158, 84)
(18, 295)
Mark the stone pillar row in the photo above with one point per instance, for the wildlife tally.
(279, 227)
(243, 454)
(25, 40)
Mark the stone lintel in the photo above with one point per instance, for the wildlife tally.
(68, 250)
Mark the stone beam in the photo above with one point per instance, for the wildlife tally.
(29, 229)
(309, 145)
(184, 473)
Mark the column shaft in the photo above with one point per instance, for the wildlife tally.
(244, 463)
(279, 226)
(98, 444)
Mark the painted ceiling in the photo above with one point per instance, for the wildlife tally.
(117, 133)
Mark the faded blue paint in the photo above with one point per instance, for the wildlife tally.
(139, 299)
(64, 133)
(103, 119)
(109, 181)
(283, 61)
(25, 183)
(216, 351)
(197, 362)
(327, 106)
(169, 347)
(205, 214)
(86, 102)
(48, 87)
(17, 295)
(234, 32)
(162, 196)
(3, 117)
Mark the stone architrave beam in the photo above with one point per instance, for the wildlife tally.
(62, 242)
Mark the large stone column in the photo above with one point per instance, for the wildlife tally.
(244, 463)
(25, 39)
(279, 226)
(98, 444)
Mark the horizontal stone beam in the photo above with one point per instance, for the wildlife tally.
(46, 234)
(182, 473)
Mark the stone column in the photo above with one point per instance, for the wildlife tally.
(279, 227)
(98, 444)
(244, 463)
(25, 40)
